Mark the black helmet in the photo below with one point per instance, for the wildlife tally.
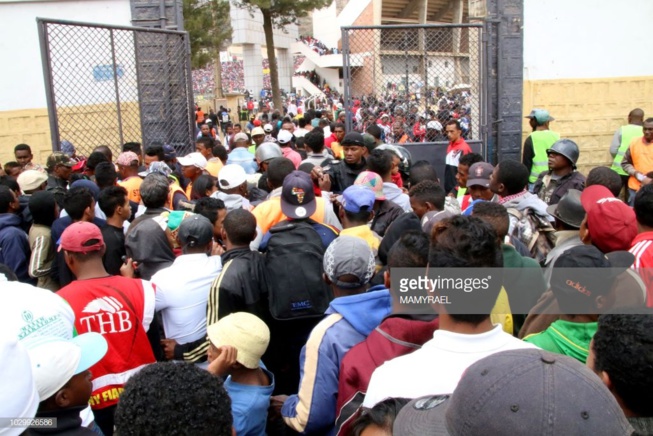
(567, 148)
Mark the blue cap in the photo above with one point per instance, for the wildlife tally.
(470, 208)
(358, 198)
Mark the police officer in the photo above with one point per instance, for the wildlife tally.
(622, 139)
(537, 143)
(561, 176)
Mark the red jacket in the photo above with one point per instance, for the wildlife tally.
(642, 249)
(121, 310)
(394, 337)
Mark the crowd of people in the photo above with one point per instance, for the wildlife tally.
(256, 285)
(317, 46)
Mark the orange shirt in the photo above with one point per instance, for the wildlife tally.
(133, 187)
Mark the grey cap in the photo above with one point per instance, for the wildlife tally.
(157, 167)
(569, 209)
(479, 174)
(267, 151)
(195, 231)
(348, 255)
(519, 392)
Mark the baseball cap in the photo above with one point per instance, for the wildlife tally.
(195, 231)
(92, 187)
(67, 148)
(540, 115)
(169, 152)
(193, 160)
(156, 167)
(80, 165)
(257, 123)
(127, 159)
(244, 331)
(479, 174)
(30, 180)
(369, 141)
(569, 209)
(349, 255)
(58, 158)
(267, 128)
(258, 131)
(209, 121)
(353, 138)
(81, 237)
(298, 195)
(372, 181)
(56, 360)
(583, 272)
(241, 137)
(284, 137)
(18, 396)
(231, 176)
(357, 197)
(611, 223)
(434, 125)
(518, 392)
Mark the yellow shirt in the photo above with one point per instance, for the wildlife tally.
(366, 234)
(133, 187)
(214, 166)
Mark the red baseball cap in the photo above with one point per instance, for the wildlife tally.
(257, 123)
(611, 223)
(81, 237)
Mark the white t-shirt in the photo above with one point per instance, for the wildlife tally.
(437, 367)
(182, 294)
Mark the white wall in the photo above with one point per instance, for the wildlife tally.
(21, 75)
(324, 27)
(566, 39)
(249, 30)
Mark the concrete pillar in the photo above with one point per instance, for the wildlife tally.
(285, 65)
(253, 68)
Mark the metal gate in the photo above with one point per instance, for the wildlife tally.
(107, 85)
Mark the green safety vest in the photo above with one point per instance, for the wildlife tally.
(542, 141)
(461, 192)
(628, 133)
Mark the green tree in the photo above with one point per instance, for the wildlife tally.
(279, 13)
(209, 28)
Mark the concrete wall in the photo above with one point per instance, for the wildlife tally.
(23, 113)
(586, 63)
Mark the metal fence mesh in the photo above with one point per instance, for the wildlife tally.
(110, 85)
(420, 76)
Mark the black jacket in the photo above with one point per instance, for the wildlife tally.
(68, 423)
(573, 180)
(343, 175)
(386, 214)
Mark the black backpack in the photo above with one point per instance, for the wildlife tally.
(294, 265)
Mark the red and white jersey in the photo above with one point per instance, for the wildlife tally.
(642, 249)
(120, 309)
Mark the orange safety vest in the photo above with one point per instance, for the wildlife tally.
(269, 213)
(642, 157)
(174, 188)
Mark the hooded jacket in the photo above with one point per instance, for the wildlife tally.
(14, 246)
(563, 337)
(395, 336)
(348, 321)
